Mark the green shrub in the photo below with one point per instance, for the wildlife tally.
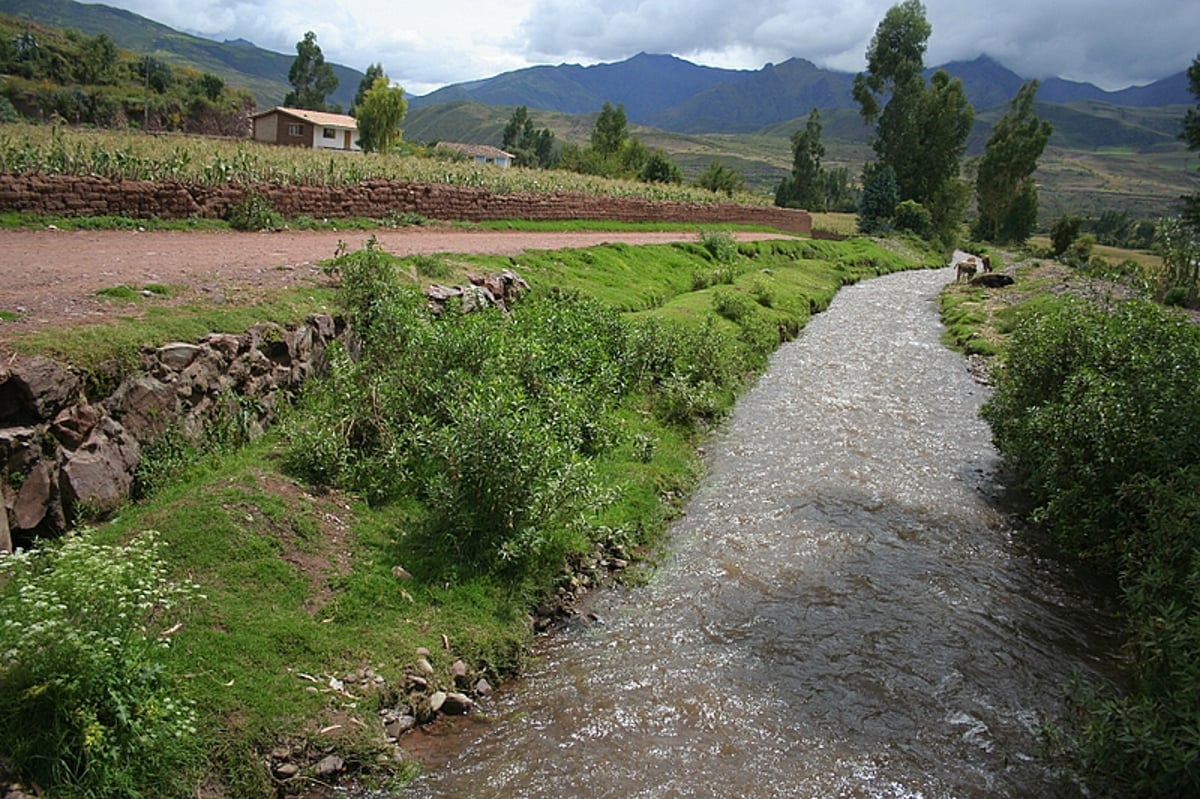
(253, 213)
(86, 707)
(912, 217)
(720, 244)
(1087, 401)
(1098, 412)
(734, 306)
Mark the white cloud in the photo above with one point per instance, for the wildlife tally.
(1113, 43)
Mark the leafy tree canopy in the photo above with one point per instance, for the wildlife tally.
(311, 77)
(379, 116)
(1005, 192)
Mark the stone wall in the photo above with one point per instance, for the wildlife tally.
(68, 195)
(64, 455)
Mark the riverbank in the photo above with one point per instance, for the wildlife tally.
(335, 616)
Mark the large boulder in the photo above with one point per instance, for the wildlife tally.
(34, 389)
(98, 477)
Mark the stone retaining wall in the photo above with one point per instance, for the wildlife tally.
(68, 195)
(64, 456)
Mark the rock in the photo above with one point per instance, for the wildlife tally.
(483, 687)
(146, 406)
(74, 424)
(456, 704)
(35, 389)
(330, 764)
(424, 666)
(285, 771)
(177, 356)
(99, 475)
(34, 498)
(6, 542)
(400, 725)
(436, 700)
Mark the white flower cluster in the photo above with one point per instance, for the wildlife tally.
(85, 599)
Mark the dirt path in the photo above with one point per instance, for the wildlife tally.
(49, 278)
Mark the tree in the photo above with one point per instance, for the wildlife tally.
(1005, 193)
(1191, 136)
(374, 73)
(98, 60)
(379, 116)
(719, 178)
(610, 131)
(312, 79)
(879, 199)
(660, 169)
(530, 147)
(920, 131)
(211, 86)
(805, 187)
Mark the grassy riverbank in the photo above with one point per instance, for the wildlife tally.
(431, 503)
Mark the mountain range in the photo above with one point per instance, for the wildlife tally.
(669, 93)
(659, 91)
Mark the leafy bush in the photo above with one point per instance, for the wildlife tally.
(492, 421)
(912, 217)
(733, 305)
(253, 213)
(86, 706)
(720, 244)
(1088, 400)
(1098, 413)
(1063, 234)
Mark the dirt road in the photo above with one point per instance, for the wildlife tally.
(50, 278)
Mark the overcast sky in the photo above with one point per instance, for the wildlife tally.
(426, 44)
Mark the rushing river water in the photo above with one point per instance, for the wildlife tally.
(843, 613)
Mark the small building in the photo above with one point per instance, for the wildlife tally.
(299, 127)
(481, 153)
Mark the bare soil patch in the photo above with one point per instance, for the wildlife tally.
(49, 278)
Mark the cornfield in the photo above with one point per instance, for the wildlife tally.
(34, 149)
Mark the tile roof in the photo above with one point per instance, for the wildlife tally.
(319, 118)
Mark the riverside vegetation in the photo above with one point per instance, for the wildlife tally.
(1097, 414)
(446, 476)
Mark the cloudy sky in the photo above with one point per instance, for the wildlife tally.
(430, 43)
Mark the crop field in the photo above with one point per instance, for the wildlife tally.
(35, 149)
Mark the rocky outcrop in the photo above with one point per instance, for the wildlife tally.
(65, 456)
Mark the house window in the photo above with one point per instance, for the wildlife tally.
(295, 129)
(328, 133)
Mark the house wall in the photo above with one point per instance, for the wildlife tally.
(266, 128)
(338, 142)
(284, 136)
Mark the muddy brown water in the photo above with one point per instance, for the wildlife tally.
(844, 611)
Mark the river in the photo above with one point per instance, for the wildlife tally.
(843, 611)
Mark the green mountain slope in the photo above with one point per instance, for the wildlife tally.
(261, 71)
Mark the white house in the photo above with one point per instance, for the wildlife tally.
(298, 127)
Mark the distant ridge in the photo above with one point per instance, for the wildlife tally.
(670, 93)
